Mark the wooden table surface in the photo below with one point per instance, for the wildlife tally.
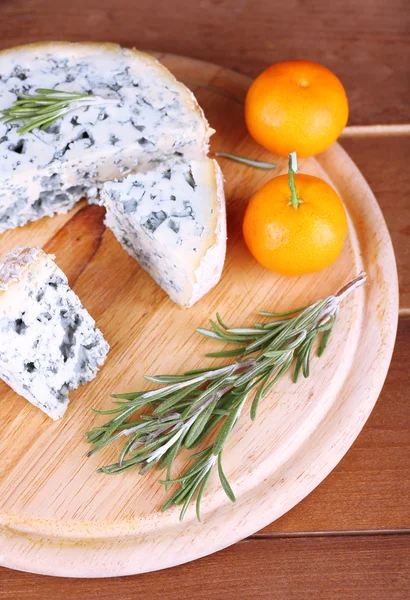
(351, 537)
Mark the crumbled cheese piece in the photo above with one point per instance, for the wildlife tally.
(49, 344)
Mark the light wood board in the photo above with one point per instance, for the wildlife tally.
(60, 518)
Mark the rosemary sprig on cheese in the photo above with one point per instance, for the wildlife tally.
(46, 106)
(188, 407)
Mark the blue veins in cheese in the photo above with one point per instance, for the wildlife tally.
(150, 119)
(172, 221)
(49, 344)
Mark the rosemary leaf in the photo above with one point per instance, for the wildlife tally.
(169, 461)
(225, 353)
(224, 482)
(220, 321)
(249, 162)
(228, 426)
(297, 369)
(217, 336)
(192, 490)
(218, 414)
(325, 338)
(258, 395)
(200, 494)
(166, 405)
(199, 426)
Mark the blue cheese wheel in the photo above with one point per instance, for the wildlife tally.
(148, 118)
(172, 221)
(49, 344)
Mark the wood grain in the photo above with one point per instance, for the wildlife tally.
(365, 43)
(350, 568)
(370, 487)
(78, 241)
(384, 163)
(50, 497)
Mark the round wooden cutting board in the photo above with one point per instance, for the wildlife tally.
(57, 516)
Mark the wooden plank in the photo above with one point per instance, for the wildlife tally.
(344, 568)
(384, 163)
(370, 487)
(365, 43)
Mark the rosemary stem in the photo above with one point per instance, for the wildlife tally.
(355, 283)
(161, 451)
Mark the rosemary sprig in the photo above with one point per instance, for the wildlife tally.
(46, 106)
(249, 162)
(186, 408)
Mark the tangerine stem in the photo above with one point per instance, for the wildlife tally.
(293, 168)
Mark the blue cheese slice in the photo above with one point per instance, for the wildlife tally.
(149, 119)
(172, 221)
(49, 344)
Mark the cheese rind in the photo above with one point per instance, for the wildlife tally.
(172, 221)
(49, 344)
(149, 118)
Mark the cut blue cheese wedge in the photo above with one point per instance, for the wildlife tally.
(144, 122)
(49, 344)
(172, 221)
